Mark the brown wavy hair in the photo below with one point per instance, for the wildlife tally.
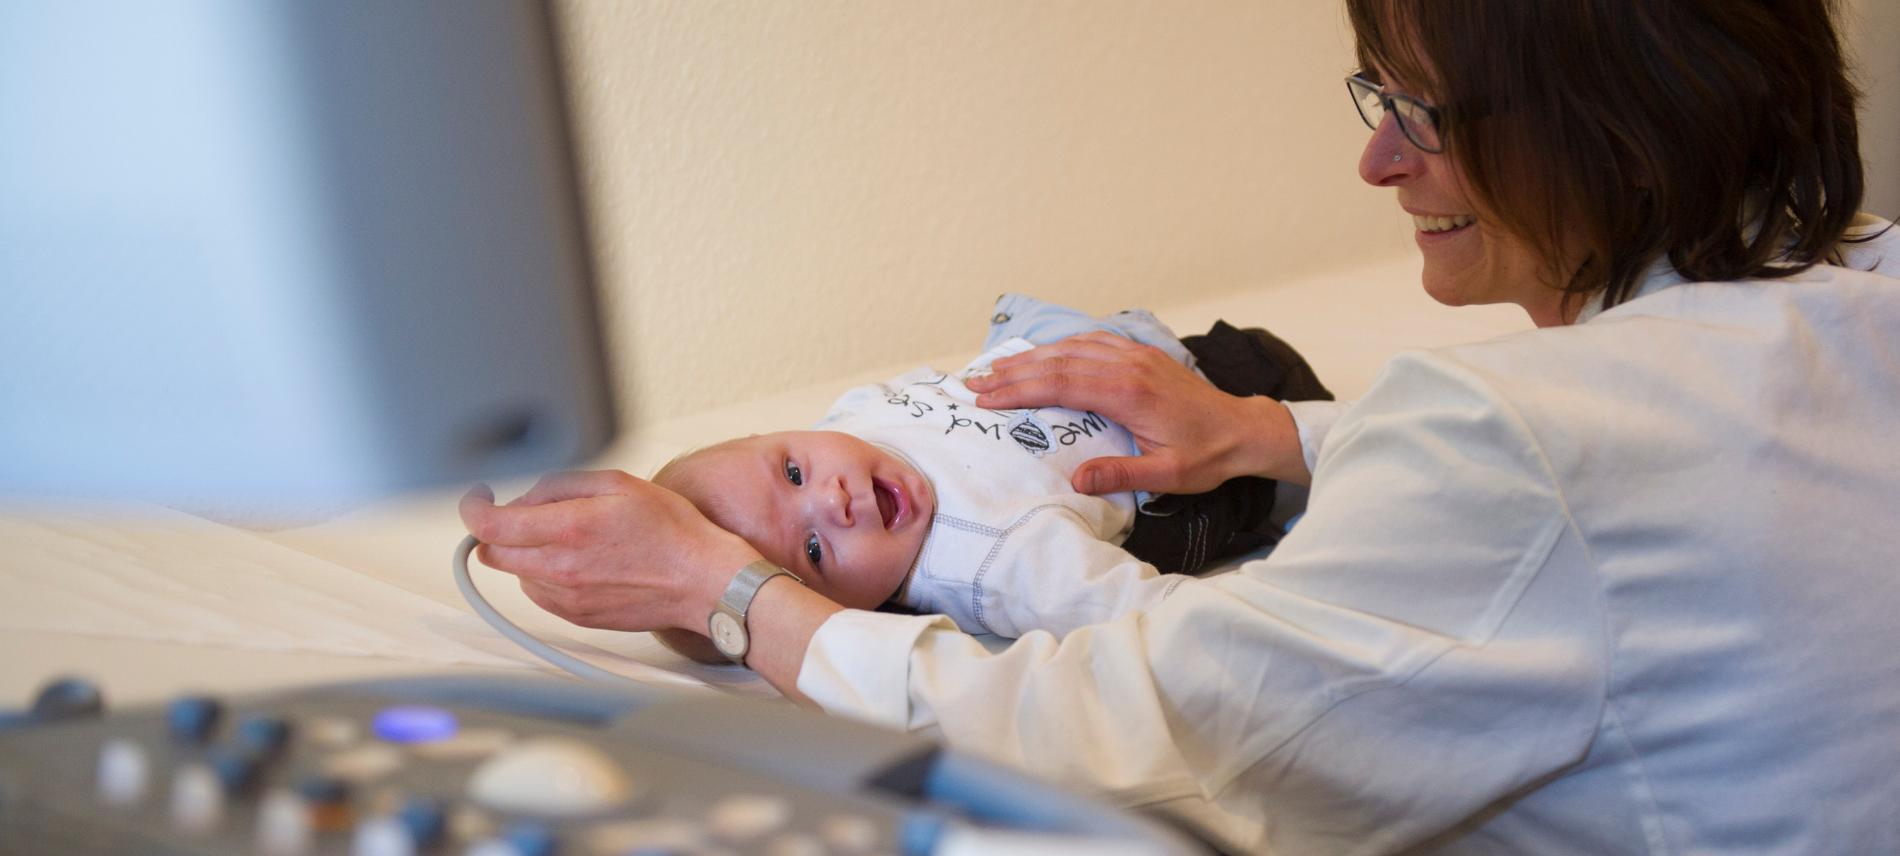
(1719, 134)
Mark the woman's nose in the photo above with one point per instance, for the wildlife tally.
(1389, 158)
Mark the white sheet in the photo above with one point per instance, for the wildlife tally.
(147, 574)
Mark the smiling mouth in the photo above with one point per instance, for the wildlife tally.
(1440, 225)
(890, 503)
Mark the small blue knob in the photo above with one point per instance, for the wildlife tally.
(262, 733)
(424, 819)
(68, 698)
(529, 839)
(192, 718)
(235, 768)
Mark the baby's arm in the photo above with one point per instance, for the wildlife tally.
(1054, 573)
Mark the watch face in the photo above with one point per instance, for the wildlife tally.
(727, 635)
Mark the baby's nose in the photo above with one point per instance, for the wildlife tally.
(840, 500)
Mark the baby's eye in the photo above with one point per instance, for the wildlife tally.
(793, 474)
(813, 550)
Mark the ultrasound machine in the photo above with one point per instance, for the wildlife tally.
(326, 250)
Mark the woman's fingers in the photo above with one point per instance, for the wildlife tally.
(1059, 388)
(1109, 475)
(1095, 341)
(1074, 373)
(554, 599)
(514, 526)
(574, 484)
(1078, 350)
(605, 549)
(542, 563)
(1192, 436)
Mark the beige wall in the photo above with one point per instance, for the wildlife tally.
(785, 192)
(1873, 30)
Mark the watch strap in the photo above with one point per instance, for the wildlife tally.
(731, 636)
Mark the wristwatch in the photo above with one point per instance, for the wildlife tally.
(726, 626)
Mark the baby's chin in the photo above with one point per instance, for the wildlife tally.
(867, 589)
(866, 601)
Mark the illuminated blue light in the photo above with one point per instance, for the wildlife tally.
(414, 724)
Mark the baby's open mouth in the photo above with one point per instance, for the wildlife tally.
(890, 503)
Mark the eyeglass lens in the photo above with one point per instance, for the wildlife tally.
(1415, 121)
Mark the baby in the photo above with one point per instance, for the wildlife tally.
(910, 496)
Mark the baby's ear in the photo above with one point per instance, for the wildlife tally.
(692, 646)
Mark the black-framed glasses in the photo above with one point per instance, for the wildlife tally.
(1417, 119)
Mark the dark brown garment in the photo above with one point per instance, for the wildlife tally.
(1183, 533)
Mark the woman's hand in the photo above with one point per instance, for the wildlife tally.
(604, 549)
(1192, 436)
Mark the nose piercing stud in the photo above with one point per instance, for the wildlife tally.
(1398, 157)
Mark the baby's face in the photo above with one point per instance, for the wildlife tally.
(846, 516)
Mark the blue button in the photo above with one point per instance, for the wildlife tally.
(235, 768)
(192, 718)
(266, 734)
(922, 831)
(414, 724)
(529, 839)
(423, 817)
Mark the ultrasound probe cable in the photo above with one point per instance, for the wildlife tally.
(522, 637)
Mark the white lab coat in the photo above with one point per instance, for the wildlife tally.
(1629, 585)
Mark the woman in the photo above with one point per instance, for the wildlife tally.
(1622, 583)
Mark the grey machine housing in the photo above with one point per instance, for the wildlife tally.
(278, 251)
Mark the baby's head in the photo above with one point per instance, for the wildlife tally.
(846, 516)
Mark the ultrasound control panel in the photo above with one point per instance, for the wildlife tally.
(513, 767)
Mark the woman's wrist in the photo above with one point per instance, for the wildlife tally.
(709, 584)
(1267, 443)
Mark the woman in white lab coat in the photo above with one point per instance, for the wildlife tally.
(1624, 583)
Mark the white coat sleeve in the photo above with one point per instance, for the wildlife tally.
(1426, 642)
(1314, 420)
(1054, 572)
